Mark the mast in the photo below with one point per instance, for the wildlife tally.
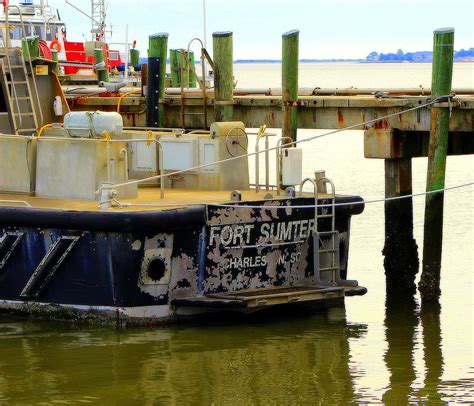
(97, 17)
(98, 20)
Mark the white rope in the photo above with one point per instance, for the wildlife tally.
(194, 168)
(310, 206)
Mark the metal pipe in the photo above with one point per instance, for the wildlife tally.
(123, 151)
(125, 74)
(267, 161)
(257, 165)
(112, 169)
(277, 152)
(108, 163)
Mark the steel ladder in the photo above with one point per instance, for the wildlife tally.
(24, 115)
(326, 243)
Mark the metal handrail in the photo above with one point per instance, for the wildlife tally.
(280, 142)
(16, 202)
(202, 83)
(257, 162)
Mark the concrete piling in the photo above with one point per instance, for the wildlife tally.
(289, 73)
(223, 76)
(443, 48)
(400, 251)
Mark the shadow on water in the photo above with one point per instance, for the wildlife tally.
(253, 360)
(403, 318)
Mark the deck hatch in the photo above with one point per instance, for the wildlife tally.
(7, 246)
(49, 266)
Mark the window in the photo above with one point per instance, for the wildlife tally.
(114, 55)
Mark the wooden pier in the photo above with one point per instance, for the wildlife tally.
(398, 125)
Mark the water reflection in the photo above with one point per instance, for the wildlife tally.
(433, 356)
(402, 320)
(254, 361)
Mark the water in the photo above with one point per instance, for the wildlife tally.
(368, 352)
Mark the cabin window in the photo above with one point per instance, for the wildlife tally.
(51, 32)
(39, 30)
(113, 55)
(16, 32)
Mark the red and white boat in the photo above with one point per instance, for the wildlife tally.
(27, 18)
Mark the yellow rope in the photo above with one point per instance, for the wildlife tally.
(43, 128)
(125, 95)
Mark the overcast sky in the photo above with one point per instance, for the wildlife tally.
(328, 28)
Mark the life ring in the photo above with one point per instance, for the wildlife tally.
(55, 44)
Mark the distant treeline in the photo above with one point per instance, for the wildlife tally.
(419, 56)
(463, 55)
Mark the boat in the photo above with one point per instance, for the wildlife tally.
(27, 19)
(142, 226)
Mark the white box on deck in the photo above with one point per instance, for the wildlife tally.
(179, 153)
(292, 166)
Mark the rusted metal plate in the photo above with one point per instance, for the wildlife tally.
(390, 143)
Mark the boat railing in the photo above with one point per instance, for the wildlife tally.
(8, 201)
(185, 60)
(263, 134)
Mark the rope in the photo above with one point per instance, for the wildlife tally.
(310, 206)
(354, 126)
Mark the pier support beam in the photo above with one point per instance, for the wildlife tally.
(157, 50)
(401, 261)
(289, 73)
(223, 76)
(102, 72)
(433, 231)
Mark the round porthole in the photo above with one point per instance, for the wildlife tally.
(156, 269)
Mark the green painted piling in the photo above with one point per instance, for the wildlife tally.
(174, 67)
(134, 57)
(442, 72)
(158, 48)
(223, 76)
(55, 58)
(289, 74)
(102, 72)
(179, 60)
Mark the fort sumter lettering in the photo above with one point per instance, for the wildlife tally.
(241, 235)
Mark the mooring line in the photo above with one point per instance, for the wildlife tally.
(314, 137)
(309, 206)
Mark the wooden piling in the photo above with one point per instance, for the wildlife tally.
(55, 58)
(442, 72)
(289, 73)
(102, 72)
(134, 57)
(157, 48)
(223, 76)
(400, 251)
(174, 67)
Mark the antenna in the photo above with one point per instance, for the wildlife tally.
(97, 17)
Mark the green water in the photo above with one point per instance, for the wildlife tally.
(306, 359)
(370, 351)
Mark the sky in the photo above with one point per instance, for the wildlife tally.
(328, 28)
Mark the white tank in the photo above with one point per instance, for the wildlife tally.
(90, 124)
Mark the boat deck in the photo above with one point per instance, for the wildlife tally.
(148, 199)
